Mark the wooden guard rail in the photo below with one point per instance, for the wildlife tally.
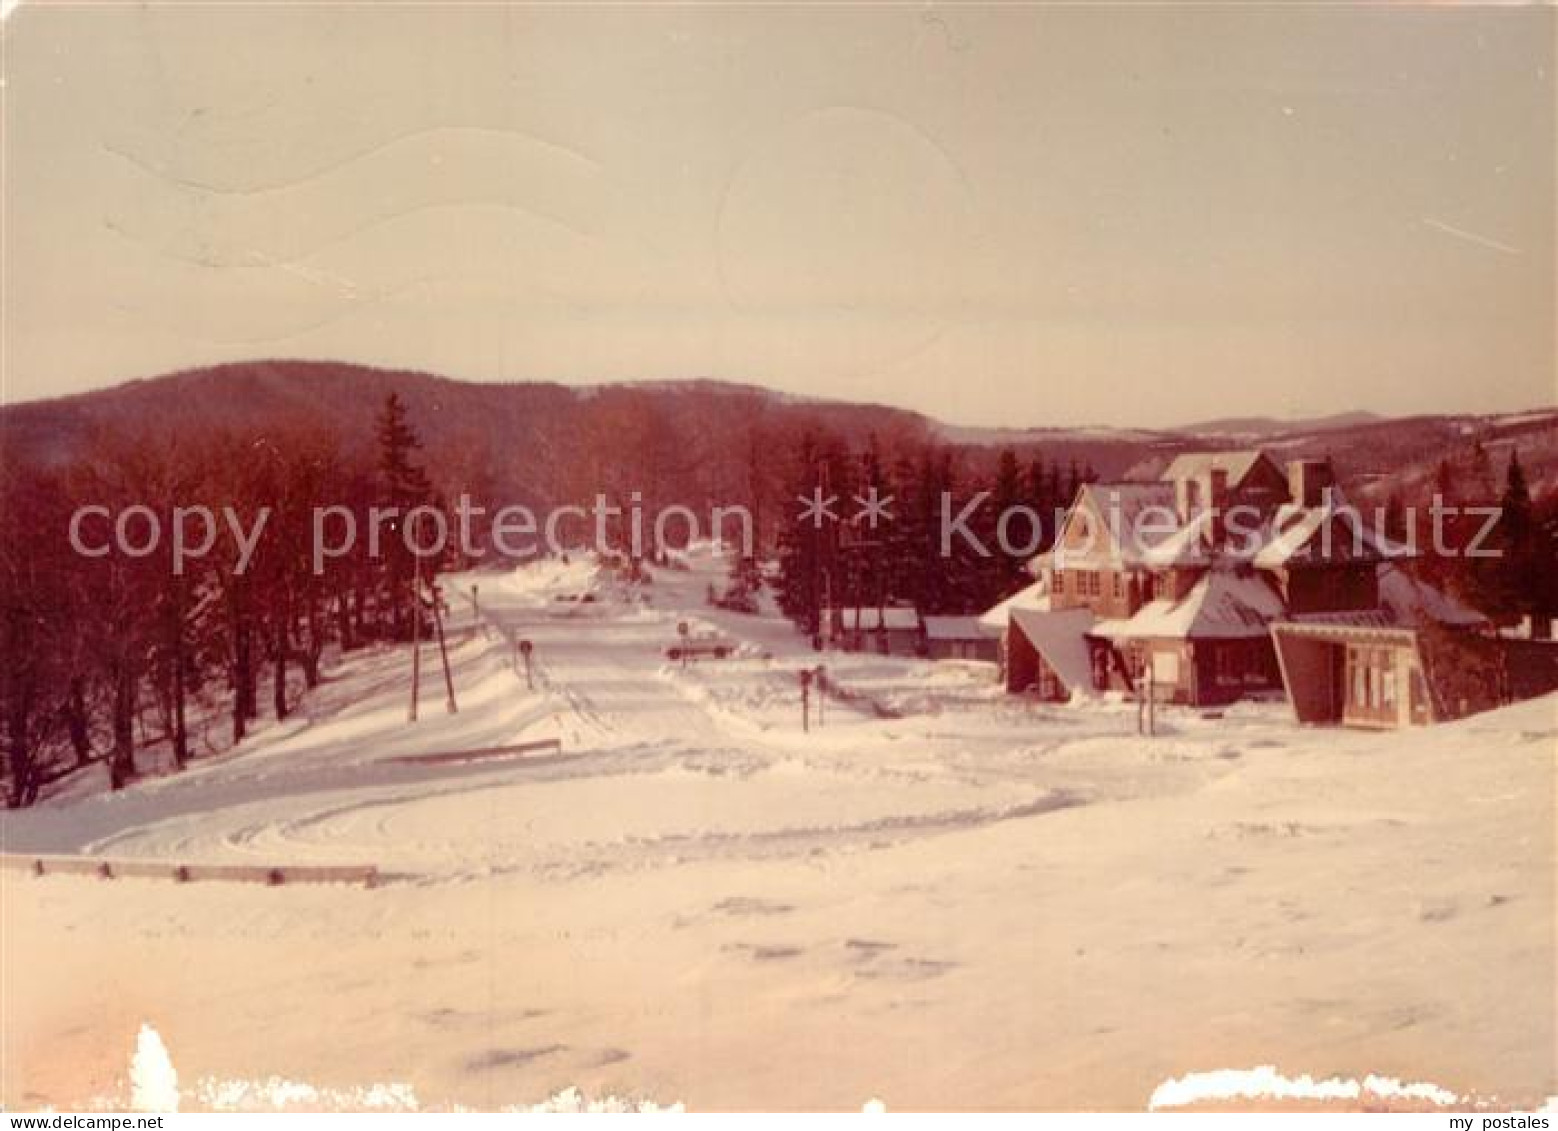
(105, 868)
(552, 745)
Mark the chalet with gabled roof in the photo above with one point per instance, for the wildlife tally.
(1171, 586)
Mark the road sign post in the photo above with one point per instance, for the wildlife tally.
(525, 648)
(443, 650)
(806, 678)
(820, 674)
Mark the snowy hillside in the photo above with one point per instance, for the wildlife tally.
(942, 896)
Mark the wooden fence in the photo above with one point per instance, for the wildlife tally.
(105, 868)
(486, 753)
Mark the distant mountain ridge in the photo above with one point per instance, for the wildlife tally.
(1245, 426)
(545, 442)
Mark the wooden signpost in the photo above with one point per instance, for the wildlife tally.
(806, 677)
(525, 649)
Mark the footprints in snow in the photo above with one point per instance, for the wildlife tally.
(555, 1057)
(872, 959)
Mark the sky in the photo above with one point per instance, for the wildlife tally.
(1041, 215)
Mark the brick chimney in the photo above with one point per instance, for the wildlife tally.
(1309, 480)
(1188, 497)
(1217, 499)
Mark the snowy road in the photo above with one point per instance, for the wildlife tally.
(982, 902)
(659, 764)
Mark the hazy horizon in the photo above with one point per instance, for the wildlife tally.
(943, 417)
(1012, 217)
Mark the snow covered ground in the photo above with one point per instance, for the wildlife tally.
(941, 897)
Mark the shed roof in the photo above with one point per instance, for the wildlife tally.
(1061, 638)
(1411, 601)
(956, 628)
(870, 618)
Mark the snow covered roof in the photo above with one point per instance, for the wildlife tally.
(1412, 602)
(955, 628)
(1060, 637)
(1292, 535)
(1364, 624)
(1345, 618)
(1035, 596)
(1190, 465)
(1122, 508)
(1297, 534)
(1189, 545)
(894, 617)
(1223, 605)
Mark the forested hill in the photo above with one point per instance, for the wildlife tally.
(698, 440)
(532, 442)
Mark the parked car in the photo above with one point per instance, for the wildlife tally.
(701, 644)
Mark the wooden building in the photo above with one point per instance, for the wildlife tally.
(1211, 646)
(893, 630)
(1371, 672)
(1181, 578)
(1049, 654)
(959, 638)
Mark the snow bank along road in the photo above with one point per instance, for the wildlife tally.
(942, 898)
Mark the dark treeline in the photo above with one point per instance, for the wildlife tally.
(902, 557)
(109, 653)
(1514, 571)
(124, 662)
(133, 659)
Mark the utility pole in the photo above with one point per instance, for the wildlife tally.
(1152, 699)
(821, 677)
(416, 628)
(443, 654)
(806, 675)
(825, 484)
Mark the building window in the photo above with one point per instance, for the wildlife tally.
(1119, 586)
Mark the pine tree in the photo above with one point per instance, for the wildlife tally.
(1482, 482)
(404, 483)
(404, 486)
(801, 541)
(1008, 493)
(1519, 568)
